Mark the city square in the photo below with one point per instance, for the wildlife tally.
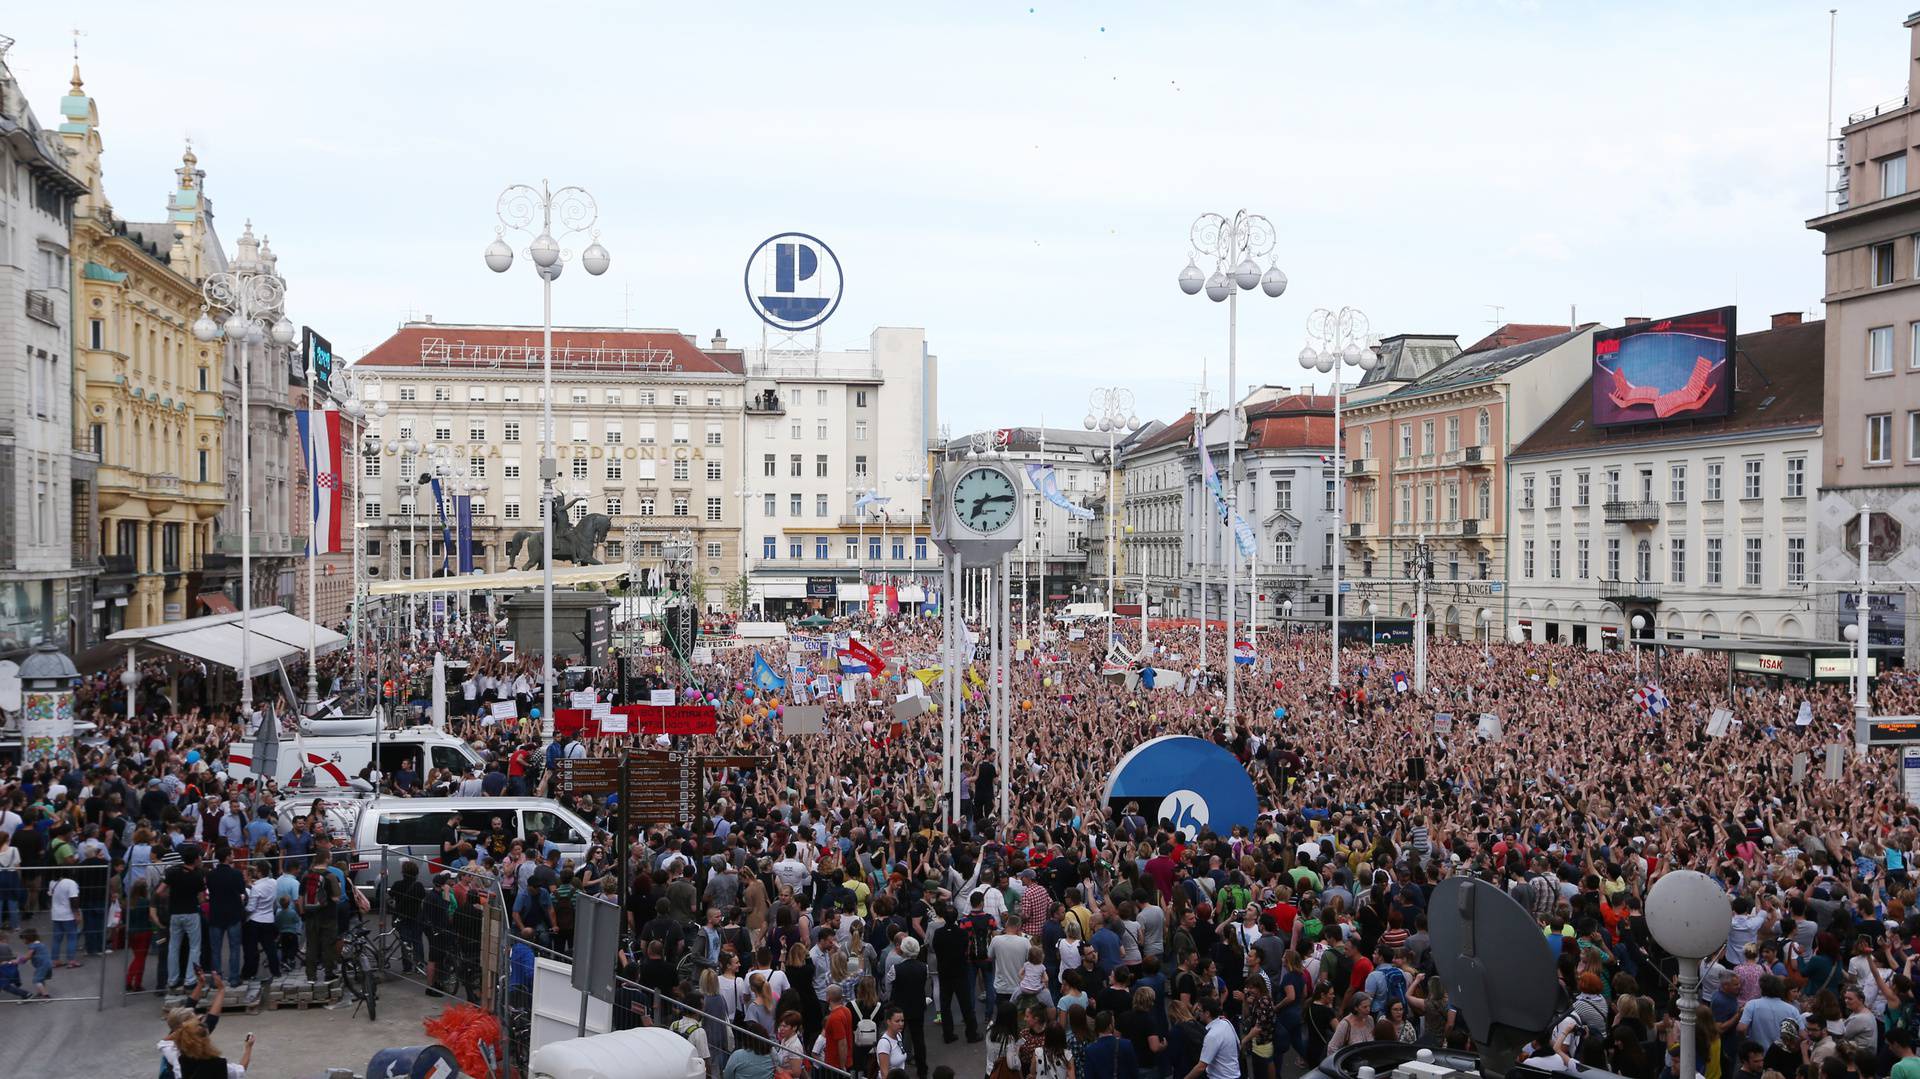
(424, 660)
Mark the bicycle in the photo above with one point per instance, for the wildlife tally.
(360, 969)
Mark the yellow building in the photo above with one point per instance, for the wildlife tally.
(153, 410)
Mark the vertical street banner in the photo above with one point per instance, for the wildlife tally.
(320, 442)
(463, 515)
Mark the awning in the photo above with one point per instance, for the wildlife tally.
(217, 602)
(509, 581)
(780, 589)
(216, 638)
(912, 593)
(853, 593)
(220, 645)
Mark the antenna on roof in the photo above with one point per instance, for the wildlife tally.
(1499, 312)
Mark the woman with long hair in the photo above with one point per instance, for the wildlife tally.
(799, 995)
(1003, 1040)
(1356, 1026)
(1052, 1060)
(189, 1051)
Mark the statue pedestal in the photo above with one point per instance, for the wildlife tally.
(582, 625)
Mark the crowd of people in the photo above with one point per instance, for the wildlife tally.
(821, 911)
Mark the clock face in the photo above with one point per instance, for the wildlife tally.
(984, 501)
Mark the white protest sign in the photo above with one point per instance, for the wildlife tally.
(1443, 722)
(1489, 727)
(504, 710)
(660, 698)
(1718, 723)
(703, 654)
(803, 719)
(583, 698)
(1805, 718)
(611, 722)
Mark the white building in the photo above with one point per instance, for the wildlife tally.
(45, 514)
(647, 432)
(1701, 527)
(823, 431)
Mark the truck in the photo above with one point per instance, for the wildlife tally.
(336, 758)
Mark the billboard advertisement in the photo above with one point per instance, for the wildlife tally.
(1677, 368)
(318, 351)
(1886, 614)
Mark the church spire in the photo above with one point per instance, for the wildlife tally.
(80, 137)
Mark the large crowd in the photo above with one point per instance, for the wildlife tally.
(821, 908)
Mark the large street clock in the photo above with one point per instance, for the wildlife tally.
(977, 509)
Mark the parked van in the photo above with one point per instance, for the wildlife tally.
(1074, 612)
(376, 825)
(336, 759)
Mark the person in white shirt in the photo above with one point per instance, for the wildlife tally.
(258, 932)
(66, 925)
(1220, 1049)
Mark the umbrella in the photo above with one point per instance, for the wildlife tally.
(814, 620)
(266, 748)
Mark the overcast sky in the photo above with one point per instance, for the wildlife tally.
(1017, 178)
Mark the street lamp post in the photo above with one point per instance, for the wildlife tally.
(366, 404)
(1638, 622)
(249, 299)
(577, 212)
(1110, 409)
(1234, 244)
(914, 471)
(1688, 914)
(1335, 341)
(1286, 613)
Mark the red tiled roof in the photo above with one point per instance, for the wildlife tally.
(1179, 432)
(1297, 421)
(1516, 333)
(575, 348)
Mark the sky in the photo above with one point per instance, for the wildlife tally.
(1017, 178)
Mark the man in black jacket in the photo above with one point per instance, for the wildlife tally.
(956, 976)
(910, 996)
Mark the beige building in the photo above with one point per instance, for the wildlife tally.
(153, 411)
(647, 431)
(1872, 412)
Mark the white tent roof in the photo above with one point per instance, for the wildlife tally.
(511, 580)
(215, 638)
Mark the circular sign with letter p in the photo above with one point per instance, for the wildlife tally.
(793, 281)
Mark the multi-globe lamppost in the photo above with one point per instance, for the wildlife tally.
(519, 206)
(366, 406)
(1234, 243)
(249, 300)
(1110, 410)
(1337, 340)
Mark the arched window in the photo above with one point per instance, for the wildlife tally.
(1483, 428)
(1283, 549)
(1643, 561)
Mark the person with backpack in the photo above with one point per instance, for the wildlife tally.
(1388, 983)
(977, 929)
(319, 907)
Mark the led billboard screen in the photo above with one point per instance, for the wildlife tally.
(1677, 368)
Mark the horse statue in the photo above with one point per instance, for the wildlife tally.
(575, 543)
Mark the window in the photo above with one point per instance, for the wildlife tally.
(859, 466)
(1366, 442)
(647, 428)
(614, 434)
(476, 430)
(370, 466)
(769, 464)
(1676, 483)
(614, 505)
(680, 506)
(1714, 469)
(1750, 488)
(1677, 560)
(577, 396)
(769, 547)
(1406, 440)
(769, 505)
(713, 471)
(795, 505)
(1613, 485)
(442, 393)
(1643, 561)
(1283, 550)
(409, 393)
(1553, 490)
(1753, 561)
(615, 549)
(860, 431)
(794, 549)
(1553, 558)
(1328, 489)
(510, 393)
(820, 430)
(1880, 438)
(614, 469)
(1526, 559)
(1713, 561)
(1582, 549)
(1406, 502)
(713, 399)
(859, 398)
(1483, 428)
(1913, 328)
(793, 464)
(713, 434)
(579, 468)
(1796, 477)
(873, 548)
(1613, 559)
(1913, 435)
(820, 508)
(1882, 255)
(408, 465)
(1453, 500)
(820, 465)
(795, 432)
(477, 467)
(96, 333)
(645, 505)
(713, 549)
(682, 471)
(510, 510)
(1426, 501)
(1526, 492)
(371, 509)
(443, 430)
(820, 548)
(919, 548)
(645, 397)
(1486, 500)
(1796, 560)
(681, 398)
(853, 549)
(1453, 433)
(510, 431)
(680, 432)
(1880, 350)
(1893, 175)
(713, 508)
(613, 397)
(1283, 493)
(510, 468)
(1426, 438)
(1580, 488)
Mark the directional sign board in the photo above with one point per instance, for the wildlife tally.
(595, 776)
(663, 786)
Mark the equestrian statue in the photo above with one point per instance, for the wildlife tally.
(572, 542)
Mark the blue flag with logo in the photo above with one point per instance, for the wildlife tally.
(765, 677)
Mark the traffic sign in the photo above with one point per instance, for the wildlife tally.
(1345, 587)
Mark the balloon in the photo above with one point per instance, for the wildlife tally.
(193, 756)
(1026, 706)
(1279, 711)
(780, 711)
(658, 669)
(749, 694)
(1046, 681)
(536, 713)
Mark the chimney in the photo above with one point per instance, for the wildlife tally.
(1786, 318)
(1912, 23)
(719, 342)
(426, 318)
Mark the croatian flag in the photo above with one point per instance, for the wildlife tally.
(1400, 683)
(320, 441)
(1242, 652)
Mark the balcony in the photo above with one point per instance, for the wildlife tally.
(766, 403)
(1353, 530)
(1478, 456)
(1631, 512)
(1363, 466)
(116, 565)
(40, 307)
(1470, 527)
(1630, 591)
(873, 521)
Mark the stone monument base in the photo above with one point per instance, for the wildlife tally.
(582, 625)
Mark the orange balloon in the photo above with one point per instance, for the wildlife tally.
(1026, 706)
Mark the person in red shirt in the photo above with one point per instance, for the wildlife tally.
(517, 770)
(1161, 868)
(1362, 966)
(1284, 912)
(837, 1034)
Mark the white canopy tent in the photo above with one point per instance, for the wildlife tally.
(216, 639)
(508, 581)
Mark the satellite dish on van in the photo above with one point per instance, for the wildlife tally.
(9, 686)
(1496, 966)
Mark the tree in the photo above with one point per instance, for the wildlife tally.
(738, 594)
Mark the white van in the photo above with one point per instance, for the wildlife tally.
(336, 759)
(1074, 612)
(374, 824)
